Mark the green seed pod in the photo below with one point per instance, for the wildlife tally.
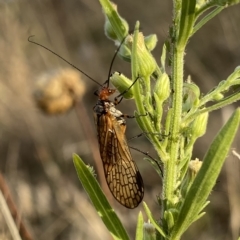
(122, 83)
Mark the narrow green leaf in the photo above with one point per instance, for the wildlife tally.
(206, 177)
(139, 230)
(152, 220)
(100, 202)
(163, 57)
(207, 18)
(199, 216)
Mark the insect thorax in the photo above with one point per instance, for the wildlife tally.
(108, 107)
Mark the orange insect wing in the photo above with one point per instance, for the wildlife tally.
(121, 172)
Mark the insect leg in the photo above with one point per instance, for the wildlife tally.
(131, 116)
(116, 101)
(150, 133)
(153, 160)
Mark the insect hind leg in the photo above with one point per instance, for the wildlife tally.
(132, 116)
(150, 133)
(152, 160)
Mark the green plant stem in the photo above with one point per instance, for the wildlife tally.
(210, 96)
(147, 127)
(177, 5)
(171, 166)
(185, 25)
(199, 191)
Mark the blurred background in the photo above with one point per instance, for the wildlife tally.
(36, 149)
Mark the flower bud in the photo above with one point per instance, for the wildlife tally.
(218, 97)
(191, 95)
(162, 87)
(122, 83)
(170, 216)
(145, 62)
(125, 53)
(108, 29)
(199, 125)
(151, 41)
(193, 168)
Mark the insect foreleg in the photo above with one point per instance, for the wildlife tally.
(116, 101)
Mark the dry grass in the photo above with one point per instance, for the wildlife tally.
(36, 149)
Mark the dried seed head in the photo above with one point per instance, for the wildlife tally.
(194, 166)
(58, 91)
(193, 169)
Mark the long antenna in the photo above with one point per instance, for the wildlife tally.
(31, 41)
(113, 59)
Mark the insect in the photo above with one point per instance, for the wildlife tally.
(121, 173)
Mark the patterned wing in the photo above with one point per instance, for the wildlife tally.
(121, 172)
